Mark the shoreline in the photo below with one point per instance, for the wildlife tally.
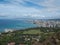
(27, 29)
(8, 29)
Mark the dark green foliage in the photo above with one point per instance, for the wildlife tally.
(18, 38)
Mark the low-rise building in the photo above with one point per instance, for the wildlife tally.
(11, 43)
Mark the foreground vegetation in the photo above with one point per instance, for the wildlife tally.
(43, 36)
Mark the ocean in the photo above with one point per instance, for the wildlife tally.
(14, 24)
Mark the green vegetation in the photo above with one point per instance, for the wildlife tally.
(31, 35)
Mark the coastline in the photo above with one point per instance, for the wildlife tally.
(15, 24)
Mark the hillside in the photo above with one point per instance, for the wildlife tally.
(32, 36)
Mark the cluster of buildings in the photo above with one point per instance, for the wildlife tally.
(41, 23)
(31, 38)
(8, 30)
(51, 40)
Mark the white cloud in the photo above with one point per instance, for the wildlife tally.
(15, 10)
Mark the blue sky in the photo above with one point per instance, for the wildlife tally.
(40, 9)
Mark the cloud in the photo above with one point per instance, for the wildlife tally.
(30, 8)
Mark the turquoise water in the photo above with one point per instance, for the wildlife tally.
(14, 24)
